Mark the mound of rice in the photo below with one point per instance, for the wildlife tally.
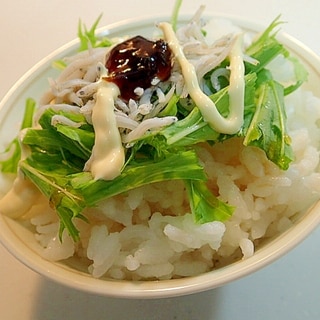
(148, 233)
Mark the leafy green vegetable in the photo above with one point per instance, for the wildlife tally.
(171, 108)
(175, 14)
(59, 65)
(78, 141)
(181, 165)
(267, 129)
(204, 205)
(13, 150)
(89, 39)
(300, 73)
(265, 48)
(53, 181)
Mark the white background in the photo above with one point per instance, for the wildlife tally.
(287, 289)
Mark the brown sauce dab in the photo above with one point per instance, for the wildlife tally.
(136, 62)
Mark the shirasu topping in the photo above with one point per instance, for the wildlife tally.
(145, 75)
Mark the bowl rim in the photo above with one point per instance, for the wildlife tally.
(162, 288)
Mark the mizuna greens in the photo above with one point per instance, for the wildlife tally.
(57, 152)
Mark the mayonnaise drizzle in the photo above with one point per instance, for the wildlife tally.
(107, 158)
(20, 198)
(209, 111)
(23, 193)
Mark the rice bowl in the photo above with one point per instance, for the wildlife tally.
(289, 232)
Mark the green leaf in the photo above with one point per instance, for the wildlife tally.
(28, 114)
(175, 14)
(89, 39)
(84, 138)
(189, 130)
(53, 182)
(267, 129)
(265, 48)
(301, 75)
(171, 108)
(183, 165)
(205, 206)
(49, 140)
(63, 138)
(59, 65)
(12, 153)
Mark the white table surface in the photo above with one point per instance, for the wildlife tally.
(287, 289)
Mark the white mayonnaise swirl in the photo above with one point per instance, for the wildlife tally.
(233, 122)
(108, 156)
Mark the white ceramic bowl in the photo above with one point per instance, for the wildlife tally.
(21, 243)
